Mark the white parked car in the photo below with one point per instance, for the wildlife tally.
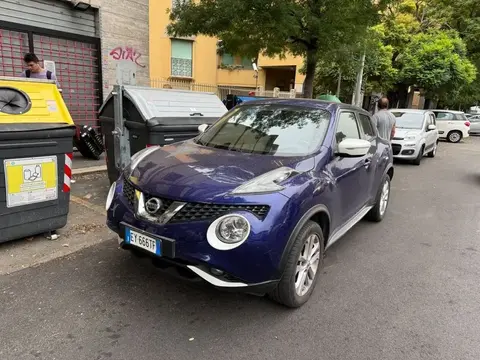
(452, 125)
(416, 135)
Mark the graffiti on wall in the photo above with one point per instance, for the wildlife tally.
(126, 53)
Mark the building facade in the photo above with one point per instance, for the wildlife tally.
(196, 60)
(81, 41)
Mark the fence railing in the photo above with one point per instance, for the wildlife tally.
(221, 90)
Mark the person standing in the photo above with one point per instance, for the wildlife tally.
(35, 71)
(384, 120)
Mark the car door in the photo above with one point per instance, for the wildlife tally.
(445, 122)
(475, 124)
(369, 133)
(430, 135)
(351, 174)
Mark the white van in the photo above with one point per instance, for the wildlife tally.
(452, 125)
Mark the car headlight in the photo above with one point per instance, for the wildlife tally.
(410, 138)
(111, 194)
(137, 157)
(268, 182)
(228, 232)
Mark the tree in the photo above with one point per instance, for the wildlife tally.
(463, 16)
(275, 27)
(379, 74)
(436, 62)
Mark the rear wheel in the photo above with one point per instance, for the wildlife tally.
(304, 263)
(434, 150)
(454, 136)
(381, 202)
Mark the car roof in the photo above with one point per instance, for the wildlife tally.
(450, 111)
(308, 103)
(413, 111)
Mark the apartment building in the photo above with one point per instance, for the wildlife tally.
(196, 60)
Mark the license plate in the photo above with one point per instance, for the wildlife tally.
(143, 241)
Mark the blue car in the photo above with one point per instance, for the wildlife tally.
(252, 203)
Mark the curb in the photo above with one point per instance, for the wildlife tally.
(89, 170)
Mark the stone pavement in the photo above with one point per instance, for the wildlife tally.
(86, 227)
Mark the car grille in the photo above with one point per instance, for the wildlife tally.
(396, 149)
(397, 138)
(196, 211)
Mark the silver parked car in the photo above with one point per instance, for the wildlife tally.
(474, 124)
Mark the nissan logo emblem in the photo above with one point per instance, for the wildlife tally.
(153, 205)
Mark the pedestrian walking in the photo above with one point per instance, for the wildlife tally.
(35, 70)
(384, 120)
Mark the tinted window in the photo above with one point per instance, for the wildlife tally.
(460, 117)
(268, 129)
(367, 126)
(347, 127)
(408, 120)
(443, 116)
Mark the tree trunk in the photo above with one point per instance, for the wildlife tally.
(310, 74)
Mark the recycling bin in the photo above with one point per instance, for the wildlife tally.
(36, 153)
(157, 117)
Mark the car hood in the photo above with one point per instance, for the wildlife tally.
(402, 133)
(192, 172)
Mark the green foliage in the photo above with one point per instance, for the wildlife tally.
(463, 16)
(275, 27)
(379, 74)
(437, 62)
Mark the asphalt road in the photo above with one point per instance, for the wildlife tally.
(407, 288)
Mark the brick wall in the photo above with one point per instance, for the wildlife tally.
(124, 34)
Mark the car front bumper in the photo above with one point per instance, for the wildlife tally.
(252, 267)
(405, 149)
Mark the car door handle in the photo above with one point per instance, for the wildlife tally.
(367, 162)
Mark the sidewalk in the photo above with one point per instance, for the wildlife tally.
(82, 165)
(86, 227)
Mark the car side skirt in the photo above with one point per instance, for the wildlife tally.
(337, 234)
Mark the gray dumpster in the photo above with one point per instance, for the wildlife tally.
(156, 117)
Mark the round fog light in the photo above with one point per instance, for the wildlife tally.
(233, 229)
(228, 232)
(111, 194)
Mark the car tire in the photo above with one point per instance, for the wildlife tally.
(419, 158)
(289, 291)
(434, 151)
(377, 213)
(454, 136)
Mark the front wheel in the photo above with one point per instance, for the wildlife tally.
(434, 150)
(304, 263)
(377, 213)
(419, 158)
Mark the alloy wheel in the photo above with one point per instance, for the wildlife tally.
(307, 265)
(384, 197)
(454, 137)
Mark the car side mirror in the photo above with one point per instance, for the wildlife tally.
(202, 128)
(431, 127)
(353, 147)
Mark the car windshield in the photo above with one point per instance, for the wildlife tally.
(269, 129)
(408, 120)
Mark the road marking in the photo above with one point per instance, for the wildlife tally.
(89, 205)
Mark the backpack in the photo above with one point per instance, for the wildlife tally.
(49, 74)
